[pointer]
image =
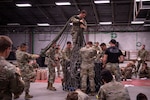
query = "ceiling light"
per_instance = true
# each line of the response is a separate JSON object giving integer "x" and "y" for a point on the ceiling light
{"x": 141, "y": 0}
{"x": 106, "y": 1}
{"x": 13, "y": 24}
{"x": 105, "y": 23}
{"x": 71, "y": 24}
{"x": 23, "y": 5}
{"x": 62, "y": 3}
{"x": 137, "y": 22}
{"x": 43, "y": 24}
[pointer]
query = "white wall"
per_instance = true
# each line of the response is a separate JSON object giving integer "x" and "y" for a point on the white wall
{"x": 127, "y": 40}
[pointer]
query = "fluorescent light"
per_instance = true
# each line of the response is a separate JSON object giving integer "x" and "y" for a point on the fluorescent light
{"x": 62, "y": 3}
{"x": 23, "y": 5}
{"x": 105, "y": 23}
{"x": 97, "y": 2}
{"x": 141, "y": 0}
{"x": 137, "y": 22}
{"x": 43, "y": 24}
{"x": 71, "y": 24}
{"x": 13, "y": 24}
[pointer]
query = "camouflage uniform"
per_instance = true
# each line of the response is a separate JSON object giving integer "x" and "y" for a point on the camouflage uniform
{"x": 82, "y": 95}
{"x": 66, "y": 54}
{"x": 144, "y": 72}
{"x": 76, "y": 29}
{"x": 128, "y": 71}
{"x": 142, "y": 54}
{"x": 27, "y": 71}
{"x": 113, "y": 91}
{"x": 87, "y": 67}
{"x": 58, "y": 57}
{"x": 51, "y": 62}
{"x": 10, "y": 80}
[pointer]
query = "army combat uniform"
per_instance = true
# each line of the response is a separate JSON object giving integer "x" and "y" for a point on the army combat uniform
{"x": 77, "y": 30}
{"x": 10, "y": 80}
{"x": 142, "y": 54}
{"x": 113, "y": 91}
{"x": 51, "y": 64}
{"x": 87, "y": 67}
{"x": 27, "y": 71}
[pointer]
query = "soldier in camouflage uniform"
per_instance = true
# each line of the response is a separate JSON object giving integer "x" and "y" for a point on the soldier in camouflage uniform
{"x": 10, "y": 80}
{"x": 27, "y": 71}
{"x": 128, "y": 71}
{"x": 142, "y": 54}
{"x": 66, "y": 54}
{"x": 144, "y": 71}
{"x": 111, "y": 90}
{"x": 88, "y": 54}
{"x": 58, "y": 57}
{"x": 79, "y": 24}
{"x": 50, "y": 54}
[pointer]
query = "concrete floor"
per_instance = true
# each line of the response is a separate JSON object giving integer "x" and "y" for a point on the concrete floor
{"x": 39, "y": 91}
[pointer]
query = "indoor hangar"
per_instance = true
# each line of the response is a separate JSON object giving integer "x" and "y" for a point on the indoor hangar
{"x": 46, "y": 27}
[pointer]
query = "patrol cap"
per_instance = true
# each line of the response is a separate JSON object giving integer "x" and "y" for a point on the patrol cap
{"x": 113, "y": 41}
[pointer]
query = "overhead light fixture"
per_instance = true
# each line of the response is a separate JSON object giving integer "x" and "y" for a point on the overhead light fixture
{"x": 13, "y": 24}
{"x": 137, "y": 22}
{"x": 62, "y": 3}
{"x": 43, "y": 24}
{"x": 141, "y": 0}
{"x": 99, "y": 2}
{"x": 24, "y": 5}
{"x": 71, "y": 24}
{"x": 105, "y": 23}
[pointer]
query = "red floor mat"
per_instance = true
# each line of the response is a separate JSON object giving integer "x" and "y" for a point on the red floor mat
{"x": 138, "y": 82}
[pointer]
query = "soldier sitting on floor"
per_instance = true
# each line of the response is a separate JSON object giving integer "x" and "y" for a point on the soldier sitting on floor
{"x": 144, "y": 71}
{"x": 128, "y": 71}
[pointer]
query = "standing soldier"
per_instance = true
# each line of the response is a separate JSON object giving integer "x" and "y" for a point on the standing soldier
{"x": 66, "y": 54}
{"x": 58, "y": 57}
{"x": 10, "y": 80}
{"x": 79, "y": 25}
{"x": 27, "y": 71}
{"x": 112, "y": 57}
{"x": 88, "y": 54}
{"x": 142, "y": 54}
{"x": 50, "y": 54}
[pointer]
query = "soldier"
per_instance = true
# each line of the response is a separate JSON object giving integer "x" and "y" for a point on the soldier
{"x": 51, "y": 66}
{"x": 66, "y": 54}
{"x": 88, "y": 54}
{"x": 141, "y": 57}
{"x": 27, "y": 71}
{"x": 128, "y": 70}
{"x": 97, "y": 48}
{"x": 111, "y": 90}
{"x": 79, "y": 25}
{"x": 112, "y": 57}
{"x": 10, "y": 80}
{"x": 58, "y": 57}
{"x": 144, "y": 71}
{"x": 103, "y": 47}
{"x": 77, "y": 95}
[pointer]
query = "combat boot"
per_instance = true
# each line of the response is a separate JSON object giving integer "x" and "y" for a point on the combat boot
{"x": 51, "y": 87}
{"x": 27, "y": 96}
